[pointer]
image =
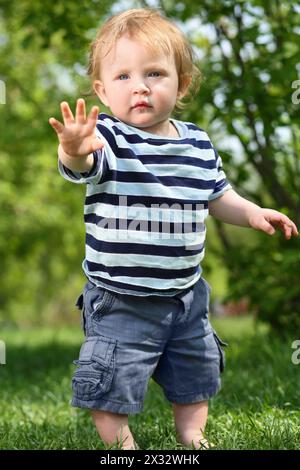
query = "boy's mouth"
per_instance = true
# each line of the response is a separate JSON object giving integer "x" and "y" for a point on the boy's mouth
{"x": 142, "y": 104}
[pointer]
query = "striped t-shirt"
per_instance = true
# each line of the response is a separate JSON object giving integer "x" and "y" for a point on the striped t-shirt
{"x": 146, "y": 203}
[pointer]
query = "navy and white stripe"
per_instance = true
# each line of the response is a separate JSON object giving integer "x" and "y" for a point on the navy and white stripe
{"x": 146, "y": 202}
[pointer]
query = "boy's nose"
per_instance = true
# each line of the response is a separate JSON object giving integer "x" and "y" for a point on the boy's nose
{"x": 141, "y": 88}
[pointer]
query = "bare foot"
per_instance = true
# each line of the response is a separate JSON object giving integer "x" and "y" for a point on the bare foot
{"x": 197, "y": 441}
{"x": 133, "y": 446}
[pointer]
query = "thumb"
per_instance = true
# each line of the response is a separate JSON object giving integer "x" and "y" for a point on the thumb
{"x": 265, "y": 226}
{"x": 97, "y": 144}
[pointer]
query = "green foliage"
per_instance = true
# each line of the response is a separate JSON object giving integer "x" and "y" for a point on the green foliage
{"x": 248, "y": 53}
{"x": 43, "y": 52}
{"x": 269, "y": 281}
{"x": 249, "y": 56}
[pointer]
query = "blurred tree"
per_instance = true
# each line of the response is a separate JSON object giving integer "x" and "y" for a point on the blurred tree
{"x": 249, "y": 56}
{"x": 43, "y": 54}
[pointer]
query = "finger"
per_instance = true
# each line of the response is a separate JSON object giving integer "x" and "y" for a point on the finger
{"x": 66, "y": 112}
{"x": 97, "y": 144}
{"x": 288, "y": 227}
{"x": 92, "y": 117}
{"x": 287, "y": 230}
{"x": 294, "y": 229}
{"x": 266, "y": 227}
{"x": 94, "y": 113}
{"x": 57, "y": 125}
{"x": 80, "y": 111}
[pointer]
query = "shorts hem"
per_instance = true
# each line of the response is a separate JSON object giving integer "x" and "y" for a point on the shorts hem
{"x": 194, "y": 397}
{"x": 106, "y": 405}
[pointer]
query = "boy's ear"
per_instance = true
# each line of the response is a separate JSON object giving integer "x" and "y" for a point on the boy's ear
{"x": 100, "y": 92}
{"x": 184, "y": 83}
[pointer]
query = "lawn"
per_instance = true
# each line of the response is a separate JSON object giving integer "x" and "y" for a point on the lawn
{"x": 257, "y": 408}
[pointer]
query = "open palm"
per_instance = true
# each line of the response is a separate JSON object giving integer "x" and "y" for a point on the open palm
{"x": 77, "y": 135}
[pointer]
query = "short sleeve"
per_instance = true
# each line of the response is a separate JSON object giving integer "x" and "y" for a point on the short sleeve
{"x": 91, "y": 177}
{"x": 221, "y": 185}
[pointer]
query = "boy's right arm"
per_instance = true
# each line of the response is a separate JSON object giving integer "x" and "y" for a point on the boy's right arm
{"x": 81, "y": 165}
{"x": 77, "y": 137}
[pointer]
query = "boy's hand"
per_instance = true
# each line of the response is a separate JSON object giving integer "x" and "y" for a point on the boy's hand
{"x": 77, "y": 135}
{"x": 268, "y": 220}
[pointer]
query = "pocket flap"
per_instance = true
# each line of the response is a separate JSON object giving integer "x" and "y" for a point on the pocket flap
{"x": 97, "y": 348}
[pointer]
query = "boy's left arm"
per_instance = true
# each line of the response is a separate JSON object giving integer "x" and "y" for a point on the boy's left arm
{"x": 234, "y": 209}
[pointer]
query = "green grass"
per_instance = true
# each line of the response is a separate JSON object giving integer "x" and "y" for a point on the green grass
{"x": 257, "y": 408}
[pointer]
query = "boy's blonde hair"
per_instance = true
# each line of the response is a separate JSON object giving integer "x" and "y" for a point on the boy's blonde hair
{"x": 157, "y": 33}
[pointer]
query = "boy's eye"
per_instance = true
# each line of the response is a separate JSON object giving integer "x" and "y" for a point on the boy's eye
{"x": 154, "y": 74}
{"x": 123, "y": 76}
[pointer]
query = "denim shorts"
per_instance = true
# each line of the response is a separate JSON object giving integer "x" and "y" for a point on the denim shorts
{"x": 130, "y": 339}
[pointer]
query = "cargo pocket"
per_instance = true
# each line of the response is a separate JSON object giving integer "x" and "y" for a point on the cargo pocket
{"x": 96, "y": 366}
{"x": 220, "y": 344}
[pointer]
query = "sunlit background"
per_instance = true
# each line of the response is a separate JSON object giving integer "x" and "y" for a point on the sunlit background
{"x": 249, "y": 103}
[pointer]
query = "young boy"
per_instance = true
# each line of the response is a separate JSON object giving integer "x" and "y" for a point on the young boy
{"x": 151, "y": 182}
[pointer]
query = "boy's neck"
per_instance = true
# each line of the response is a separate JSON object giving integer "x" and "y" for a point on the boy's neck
{"x": 173, "y": 130}
{"x": 167, "y": 130}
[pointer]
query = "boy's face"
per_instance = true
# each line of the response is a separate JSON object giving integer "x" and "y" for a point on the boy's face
{"x": 139, "y": 86}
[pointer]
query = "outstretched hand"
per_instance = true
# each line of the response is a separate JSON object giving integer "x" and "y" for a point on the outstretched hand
{"x": 77, "y": 135}
{"x": 269, "y": 220}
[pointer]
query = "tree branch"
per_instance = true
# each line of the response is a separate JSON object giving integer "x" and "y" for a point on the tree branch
{"x": 264, "y": 165}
